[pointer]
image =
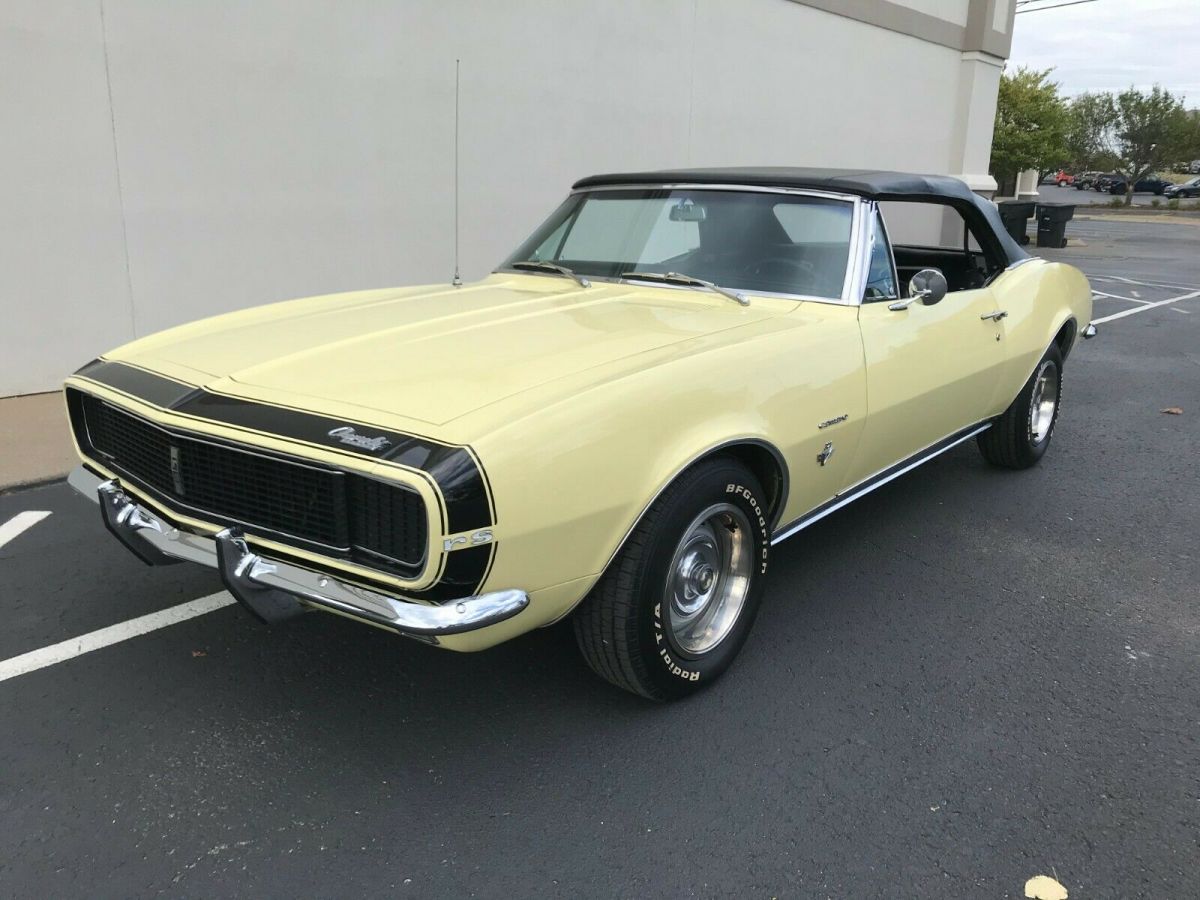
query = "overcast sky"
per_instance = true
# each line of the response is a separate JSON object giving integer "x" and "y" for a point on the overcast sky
{"x": 1110, "y": 44}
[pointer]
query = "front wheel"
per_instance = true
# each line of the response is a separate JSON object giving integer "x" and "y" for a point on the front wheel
{"x": 677, "y": 602}
{"x": 1020, "y": 436}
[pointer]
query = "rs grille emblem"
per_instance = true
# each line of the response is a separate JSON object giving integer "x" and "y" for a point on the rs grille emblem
{"x": 176, "y": 473}
{"x": 348, "y": 435}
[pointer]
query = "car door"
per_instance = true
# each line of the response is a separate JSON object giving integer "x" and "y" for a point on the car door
{"x": 932, "y": 371}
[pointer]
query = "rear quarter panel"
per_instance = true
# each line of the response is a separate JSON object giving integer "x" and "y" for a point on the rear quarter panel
{"x": 1040, "y": 297}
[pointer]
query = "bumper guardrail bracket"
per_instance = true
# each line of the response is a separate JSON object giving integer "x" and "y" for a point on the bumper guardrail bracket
{"x": 273, "y": 590}
{"x": 127, "y": 523}
{"x": 238, "y": 567}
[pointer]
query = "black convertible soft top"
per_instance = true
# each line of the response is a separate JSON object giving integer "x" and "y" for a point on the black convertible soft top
{"x": 871, "y": 184}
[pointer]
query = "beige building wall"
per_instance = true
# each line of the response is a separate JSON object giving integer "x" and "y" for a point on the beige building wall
{"x": 166, "y": 161}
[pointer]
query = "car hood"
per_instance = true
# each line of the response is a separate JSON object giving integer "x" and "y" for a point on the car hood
{"x": 437, "y": 353}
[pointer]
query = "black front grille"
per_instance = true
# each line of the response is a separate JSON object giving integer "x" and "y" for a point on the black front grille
{"x": 360, "y": 518}
{"x": 139, "y": 448}
{"x": 385, "y": 521}
{"x": 272, "y": 493}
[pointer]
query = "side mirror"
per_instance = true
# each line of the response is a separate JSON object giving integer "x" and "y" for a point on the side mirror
{"x": 929, "y": 286}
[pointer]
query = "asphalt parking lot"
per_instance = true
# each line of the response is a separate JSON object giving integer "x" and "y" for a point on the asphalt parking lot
{"x": 965, "y": 679}
{"x": 1052, "y": 193}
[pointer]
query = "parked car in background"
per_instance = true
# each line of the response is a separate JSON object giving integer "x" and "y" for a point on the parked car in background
{"x": 1063, "y": 179}
{"x": 1104, "y": 181}
{"x": 1085, "y": 180}
{"x": 588, "y": 431}
{"x": 1190, "y": 188}
{"x": 1151, "y": 184}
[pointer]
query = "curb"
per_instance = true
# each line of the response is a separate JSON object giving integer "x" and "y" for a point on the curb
{"x": 20, "y": 486}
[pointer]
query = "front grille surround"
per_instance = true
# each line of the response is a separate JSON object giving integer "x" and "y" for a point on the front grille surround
{"x": 381, "y": 525}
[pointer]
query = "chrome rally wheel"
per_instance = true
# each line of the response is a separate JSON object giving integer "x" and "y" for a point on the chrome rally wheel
{"x": 1020, "y": 436}
{"x": 675, "y": 605}
{"x": 709, "y": 579}
{"x": 1043, "y": 404}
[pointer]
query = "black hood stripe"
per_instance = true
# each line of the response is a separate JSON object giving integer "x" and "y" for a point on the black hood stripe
{"x": 157, "y": 390}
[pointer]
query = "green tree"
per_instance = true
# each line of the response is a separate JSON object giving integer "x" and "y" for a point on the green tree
{"x": 1031, "y": 125}
{"x": 1149, "y": 131}
{"x": 1189, "y": 143}
{"x": 1090, "y": 119}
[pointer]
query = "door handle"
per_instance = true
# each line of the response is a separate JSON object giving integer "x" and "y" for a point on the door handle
{"x": 994, "y": 316}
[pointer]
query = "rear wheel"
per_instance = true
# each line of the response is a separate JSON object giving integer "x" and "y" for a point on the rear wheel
{"x": 1020, "y": 436}
{"x": 676, "y": 604}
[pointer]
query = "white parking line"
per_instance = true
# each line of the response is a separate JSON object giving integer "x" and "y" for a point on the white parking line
{"x": 1137, "y": 309}
{"x": 19, "y": 523}
{"x": 1097, "y": 293}
{"x": 114, "y": 634}
{"x": 1124, "y": 280}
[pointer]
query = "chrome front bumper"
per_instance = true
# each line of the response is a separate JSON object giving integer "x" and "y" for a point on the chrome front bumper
{"x": 273, "y": 590}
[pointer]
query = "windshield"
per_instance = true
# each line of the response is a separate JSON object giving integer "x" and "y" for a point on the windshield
{"x": 752, "y": 241}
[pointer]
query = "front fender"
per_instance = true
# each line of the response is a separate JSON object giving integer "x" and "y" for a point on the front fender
{"x": 572, "y": 479}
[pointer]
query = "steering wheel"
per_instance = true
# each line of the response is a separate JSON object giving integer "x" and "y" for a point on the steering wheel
{"x": 782, "y": 269}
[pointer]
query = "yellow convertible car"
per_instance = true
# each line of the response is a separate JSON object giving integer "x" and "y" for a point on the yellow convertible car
{"x": 677, "y": 371}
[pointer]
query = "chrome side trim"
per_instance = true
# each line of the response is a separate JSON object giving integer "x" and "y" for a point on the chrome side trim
{"x": 880, "y": 478}
{"x": 272, "y": 589}
{"x": 859, "y": 260}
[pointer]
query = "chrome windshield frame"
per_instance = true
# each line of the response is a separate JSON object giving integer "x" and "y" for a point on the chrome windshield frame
{"x": 857, "y": 258}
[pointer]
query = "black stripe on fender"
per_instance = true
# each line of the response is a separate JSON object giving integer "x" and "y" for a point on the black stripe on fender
{"x": 455, "y": 470}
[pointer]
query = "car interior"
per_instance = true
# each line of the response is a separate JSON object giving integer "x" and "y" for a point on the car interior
{"x": 792, "y": 245}
{"x": 788, "y": 247}
{"x": 969, "y": 266}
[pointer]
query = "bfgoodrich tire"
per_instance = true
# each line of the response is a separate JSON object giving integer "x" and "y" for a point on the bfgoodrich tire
{"x": 677, "y": 602}
{"x": 1021, "y": 435}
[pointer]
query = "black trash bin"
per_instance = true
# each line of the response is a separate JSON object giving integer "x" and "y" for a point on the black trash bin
{"x": 1014, "y": 214}
{"x": 1052, "y": 223}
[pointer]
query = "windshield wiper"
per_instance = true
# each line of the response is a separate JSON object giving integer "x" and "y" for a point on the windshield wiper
{"x": 688, "y": 281}
{"x": 537, "y": 265}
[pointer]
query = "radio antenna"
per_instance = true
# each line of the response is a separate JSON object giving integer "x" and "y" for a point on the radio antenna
{"x": 456, "y": 281}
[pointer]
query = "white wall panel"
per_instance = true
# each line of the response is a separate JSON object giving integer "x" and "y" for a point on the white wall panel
{"x": 291, "y": 147}
{"x": 63, "y": 292}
